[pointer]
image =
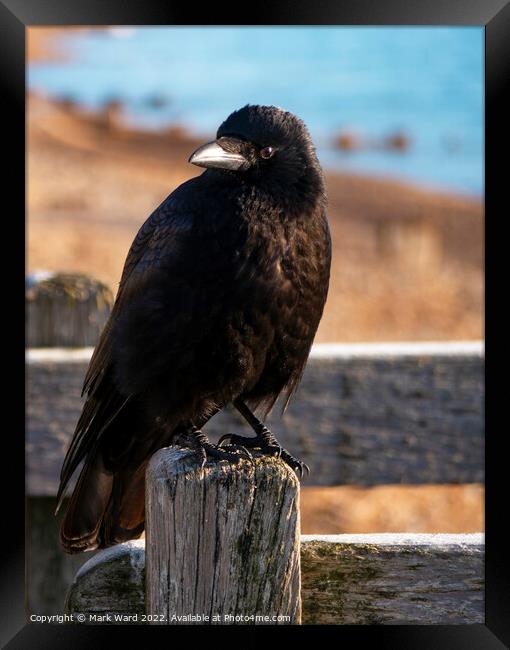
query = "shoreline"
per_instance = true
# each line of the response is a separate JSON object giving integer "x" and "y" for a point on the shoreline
{"x": 350, "y": 146}
{"x": 407, "y": 261}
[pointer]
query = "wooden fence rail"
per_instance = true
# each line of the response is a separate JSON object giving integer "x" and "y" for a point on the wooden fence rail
{"x": 364, "y": 414}
{"x": 346, "y": 579}
{"x": 223, "y": 546}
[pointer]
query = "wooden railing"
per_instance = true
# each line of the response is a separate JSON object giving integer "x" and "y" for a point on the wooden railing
{"x": 365, "y": 414}
{"x": 346, "y": 579}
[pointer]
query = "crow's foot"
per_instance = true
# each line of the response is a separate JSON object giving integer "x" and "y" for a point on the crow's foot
{"x": 198, "y": 441}
{"x": 268, "y": 445}
{"x": 264, "y": 439}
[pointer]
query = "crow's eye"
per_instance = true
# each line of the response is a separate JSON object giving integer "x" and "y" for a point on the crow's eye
{"x": 266, "y": 152}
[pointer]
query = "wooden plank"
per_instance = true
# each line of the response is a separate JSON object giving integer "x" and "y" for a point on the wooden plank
{"x": 50, "y": 571}
{"x": 393, "y": 579}
{"x": 364, "y": 414}
{"x": 346, "y": 579}
{"x": 222, "y": 541}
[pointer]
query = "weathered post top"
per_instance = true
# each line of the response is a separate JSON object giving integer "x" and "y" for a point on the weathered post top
{"x": 65, "y": 309}
{"x": 222, "y": 541}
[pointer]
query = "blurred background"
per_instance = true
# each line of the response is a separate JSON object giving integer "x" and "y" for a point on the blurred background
{"x": 397, "y": 117}
{"x": 396, "y": 114}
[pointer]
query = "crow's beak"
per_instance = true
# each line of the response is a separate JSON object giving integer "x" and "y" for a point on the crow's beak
{"x": 212, "y": 155}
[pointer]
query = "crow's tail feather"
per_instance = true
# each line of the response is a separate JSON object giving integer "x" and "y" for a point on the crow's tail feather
{"x": 105, "y": 508}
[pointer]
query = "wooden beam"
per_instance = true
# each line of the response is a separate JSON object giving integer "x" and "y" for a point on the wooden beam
{"x": 365, "y": 414}
{"x": 393, "y": 579}
{"x": 346, "y": 579}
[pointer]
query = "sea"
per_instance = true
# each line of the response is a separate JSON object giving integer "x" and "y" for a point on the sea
{"x": 422, "y": 85}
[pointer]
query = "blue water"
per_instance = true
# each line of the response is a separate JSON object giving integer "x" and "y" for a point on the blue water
{"x": 425, "y": 82}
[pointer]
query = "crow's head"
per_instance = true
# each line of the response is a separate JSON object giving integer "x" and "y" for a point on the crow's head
{"x": 268, "y": 147}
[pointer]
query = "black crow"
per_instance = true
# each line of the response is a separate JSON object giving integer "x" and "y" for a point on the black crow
{"x": 221, "y": 295}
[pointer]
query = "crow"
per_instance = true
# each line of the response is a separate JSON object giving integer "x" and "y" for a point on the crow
{"x": 220, "y": 298}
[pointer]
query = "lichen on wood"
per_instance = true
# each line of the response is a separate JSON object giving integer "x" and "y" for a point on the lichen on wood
{"x": 222, "y": 540}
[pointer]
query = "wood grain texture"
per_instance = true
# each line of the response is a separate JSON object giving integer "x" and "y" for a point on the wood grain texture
{"x": 393, "y": 579}
{"x": 346, "y": 579}
{"x": 386, "y": 416}
{"x": 222, "y": 541}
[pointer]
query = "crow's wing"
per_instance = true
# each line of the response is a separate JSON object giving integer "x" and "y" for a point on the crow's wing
{"x": 162, "y": 237}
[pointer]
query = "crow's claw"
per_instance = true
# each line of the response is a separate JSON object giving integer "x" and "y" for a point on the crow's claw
{"x": 246, "y": 454}
{"x": 294, "y": 463}
{"x": 208, "y": 450}
{"x": 273, "y": 450}
{"x": 227, "y": 436}
{"x": 268, "y": 445}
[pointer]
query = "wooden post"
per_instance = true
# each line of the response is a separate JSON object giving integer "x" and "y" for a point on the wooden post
{"x": 222, "y": 542}
{"x": 65, "y": 309}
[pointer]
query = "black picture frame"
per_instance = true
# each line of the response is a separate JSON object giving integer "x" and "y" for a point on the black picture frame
{"x": 15, "y": 16}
